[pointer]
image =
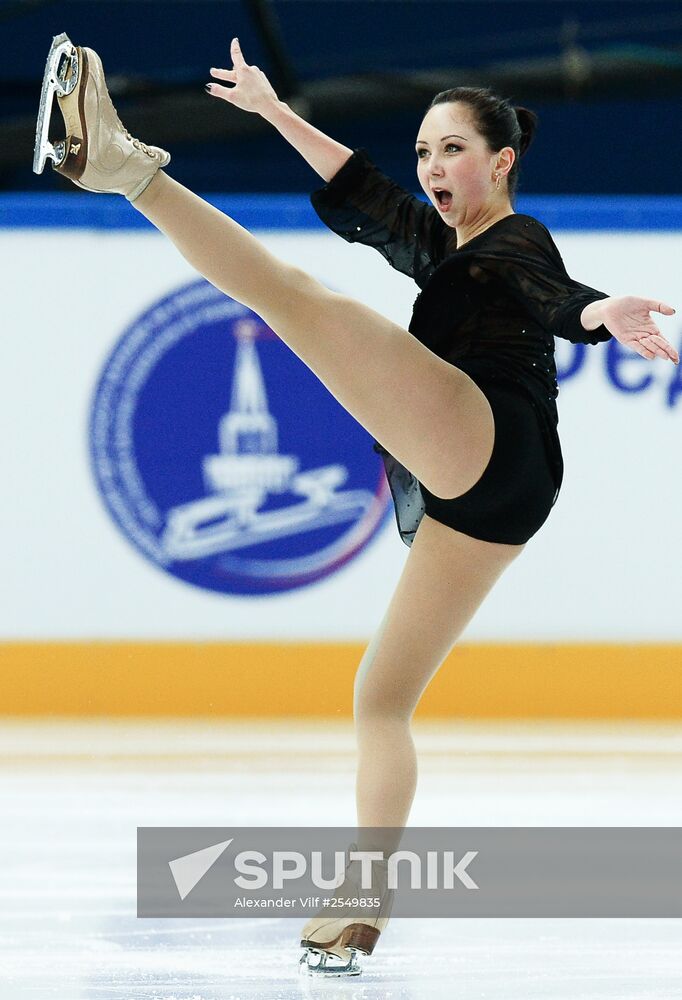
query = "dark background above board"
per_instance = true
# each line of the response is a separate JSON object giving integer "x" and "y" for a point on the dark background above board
{"x": 604, "y": 77}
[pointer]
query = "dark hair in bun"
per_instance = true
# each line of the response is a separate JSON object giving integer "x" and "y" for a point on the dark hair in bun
{"x": 528, "y": 122}
{"x": 498, "y": 121}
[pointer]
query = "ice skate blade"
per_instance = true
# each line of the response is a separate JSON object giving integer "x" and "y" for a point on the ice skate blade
{"x": 61, "y": 76}
{"x": 328, "y": 964}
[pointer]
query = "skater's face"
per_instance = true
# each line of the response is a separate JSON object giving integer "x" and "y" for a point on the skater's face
{"x": 452, "y": 155}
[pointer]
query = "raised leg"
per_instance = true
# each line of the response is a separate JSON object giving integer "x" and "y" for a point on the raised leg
{"x": 430, "y": 415}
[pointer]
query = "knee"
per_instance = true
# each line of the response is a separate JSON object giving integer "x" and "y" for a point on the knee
{"x": 372, "y": 708}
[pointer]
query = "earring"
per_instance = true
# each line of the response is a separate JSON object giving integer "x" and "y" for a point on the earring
{"x": 497, "y": 186}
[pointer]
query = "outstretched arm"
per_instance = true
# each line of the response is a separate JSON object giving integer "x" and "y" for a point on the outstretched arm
{"x": 627, "y": 319}
{"x": 252, "y": 91}
{"x": 528, "y": 262}
{"x": 358, "y": 202}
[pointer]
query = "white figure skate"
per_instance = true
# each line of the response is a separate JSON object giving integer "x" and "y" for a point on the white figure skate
{"x": 98, "y": 153}
{"x": 333, "y": 940}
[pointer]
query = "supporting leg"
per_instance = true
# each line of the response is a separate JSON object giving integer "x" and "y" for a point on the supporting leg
{"x": 446, "y": 577}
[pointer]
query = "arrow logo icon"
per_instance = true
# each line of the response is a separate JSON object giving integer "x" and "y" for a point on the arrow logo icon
{"x": 191, "y": 868}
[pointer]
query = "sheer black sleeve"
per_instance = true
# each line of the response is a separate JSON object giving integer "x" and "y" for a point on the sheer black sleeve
{"x": 363, "y": 205}
{"x": 528, "y": 264}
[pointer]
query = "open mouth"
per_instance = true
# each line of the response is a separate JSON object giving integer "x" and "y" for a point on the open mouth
{"x": 444, "y": 199}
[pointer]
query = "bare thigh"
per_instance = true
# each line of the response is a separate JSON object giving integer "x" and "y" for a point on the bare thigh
{"x": 427, "y": 413}
{"x": 446, "y": 576}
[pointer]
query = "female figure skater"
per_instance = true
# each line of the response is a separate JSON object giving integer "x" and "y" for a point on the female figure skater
{"x": 461, "y": 404}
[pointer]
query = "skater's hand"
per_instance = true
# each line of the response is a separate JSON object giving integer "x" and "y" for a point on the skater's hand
{"x": 628, "y": 320}
{"x": 251, "y": 91}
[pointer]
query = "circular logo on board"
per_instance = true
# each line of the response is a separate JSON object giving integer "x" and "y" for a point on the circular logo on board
{"x": 223, "y": 458}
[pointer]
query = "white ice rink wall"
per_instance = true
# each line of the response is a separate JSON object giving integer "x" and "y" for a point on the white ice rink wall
{"x": 135, "y": 396}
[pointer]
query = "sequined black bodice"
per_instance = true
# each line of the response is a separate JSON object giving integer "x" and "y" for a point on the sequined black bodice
{"x": 492, "y": 306}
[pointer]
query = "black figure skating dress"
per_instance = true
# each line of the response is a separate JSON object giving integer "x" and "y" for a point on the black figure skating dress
{"x": 492, "y": 308}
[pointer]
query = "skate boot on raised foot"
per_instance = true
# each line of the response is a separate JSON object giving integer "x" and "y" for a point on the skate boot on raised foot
{"x": 98, "y": 153}
{"x": 334, "y": 938}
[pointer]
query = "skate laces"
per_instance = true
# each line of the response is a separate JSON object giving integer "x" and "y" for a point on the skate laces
{"x": 137, "y": 143}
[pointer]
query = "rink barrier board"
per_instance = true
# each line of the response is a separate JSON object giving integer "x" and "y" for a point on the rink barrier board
{"x": 213, "y": 679}
{"x": 488, "y": 680}
{"x": 272, "y": 212}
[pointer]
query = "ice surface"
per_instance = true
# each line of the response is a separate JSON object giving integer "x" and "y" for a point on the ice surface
{"x": 73, "y": 795}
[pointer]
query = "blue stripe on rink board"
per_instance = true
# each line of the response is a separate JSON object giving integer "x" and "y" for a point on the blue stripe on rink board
{"x": 294, "y": 211}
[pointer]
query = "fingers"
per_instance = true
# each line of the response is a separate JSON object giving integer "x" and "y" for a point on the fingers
{"x": 236, "y": 53}
{"x": 215, "y": 90}
{"x": 224, "y": 74}
{"x": 664, "y": 349}
{"x": 230, "y": 75}
{"x": 660, "y": 347}
{"x": 660, "y": 307}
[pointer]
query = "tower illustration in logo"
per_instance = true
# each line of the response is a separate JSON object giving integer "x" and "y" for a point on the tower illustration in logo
{"x": 222, "y": 498}
{"x": 248, "y": 470}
